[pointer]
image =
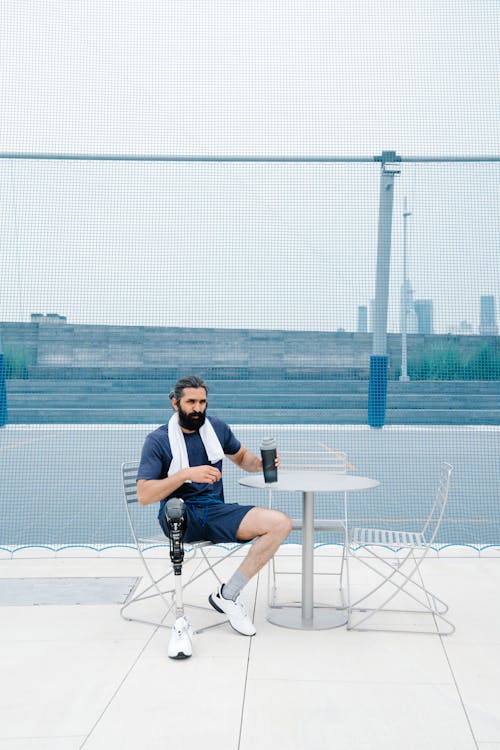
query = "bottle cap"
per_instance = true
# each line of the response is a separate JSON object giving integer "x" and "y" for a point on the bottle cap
{"x": 268, "y": 444}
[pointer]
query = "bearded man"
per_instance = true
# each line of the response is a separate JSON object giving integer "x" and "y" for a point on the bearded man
{"x": 184, "y": 459}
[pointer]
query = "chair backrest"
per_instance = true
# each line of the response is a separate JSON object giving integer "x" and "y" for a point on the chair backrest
{"x": 309, "y": 460}
{"x": 314, "y": 460}
{"x": 129, "y": 478}
{"x": 431, "y": 526}
{"x": 143, "y": 521}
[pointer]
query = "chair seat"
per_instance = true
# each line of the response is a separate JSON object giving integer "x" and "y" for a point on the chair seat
{"x": 319, "y": 525}
{"x": 388, "y": 538}
{"x": 162, "y": 539}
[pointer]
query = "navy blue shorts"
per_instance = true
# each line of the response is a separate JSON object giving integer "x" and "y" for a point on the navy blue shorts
{"x": 215, "y": 522}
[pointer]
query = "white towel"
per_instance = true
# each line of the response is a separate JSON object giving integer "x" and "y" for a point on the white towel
{"x": 178, "y": 444}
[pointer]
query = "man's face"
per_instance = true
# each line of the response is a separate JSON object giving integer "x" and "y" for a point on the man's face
{"x": 191, "y": 408}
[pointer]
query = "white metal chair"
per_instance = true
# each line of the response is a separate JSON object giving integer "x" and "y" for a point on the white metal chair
{"x": 402, "y": 574}
{"x": 327, "y": 460}
{"x": 140, "y": 519}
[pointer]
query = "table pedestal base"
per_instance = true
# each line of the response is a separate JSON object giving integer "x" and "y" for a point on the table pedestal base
{"x": 322, "y": 619}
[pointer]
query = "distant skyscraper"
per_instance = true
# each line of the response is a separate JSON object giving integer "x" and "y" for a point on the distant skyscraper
{"x": 488, "y": 325}
{"x": 424, "y": 313}
{"x": 411, "y": 316}
{"x": 372, "y": 315}
{"x": 50, "y": 318}
{"x": 362, "y": 319}
{"x": 465, "y": 327}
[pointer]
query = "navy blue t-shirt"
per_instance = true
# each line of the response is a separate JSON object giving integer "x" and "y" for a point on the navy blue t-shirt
{"x": 156, "y": 458}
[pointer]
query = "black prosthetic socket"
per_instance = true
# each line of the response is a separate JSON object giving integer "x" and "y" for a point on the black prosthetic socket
{"x": 176, "y": 520}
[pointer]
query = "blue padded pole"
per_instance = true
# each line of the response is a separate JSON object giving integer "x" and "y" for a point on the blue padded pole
{"x": 377, "y": 389}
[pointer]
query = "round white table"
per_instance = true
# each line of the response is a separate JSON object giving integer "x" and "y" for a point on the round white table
{"x": 309, "y": 617}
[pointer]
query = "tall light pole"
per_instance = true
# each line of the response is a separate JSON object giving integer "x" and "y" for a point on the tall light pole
{"x": 404, "y": 318}
{"x": 377, "y": 386}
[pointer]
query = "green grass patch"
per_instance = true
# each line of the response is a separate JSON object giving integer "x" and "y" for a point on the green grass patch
{"x": 17, "y": 361}
{"x": 449, "y": 362}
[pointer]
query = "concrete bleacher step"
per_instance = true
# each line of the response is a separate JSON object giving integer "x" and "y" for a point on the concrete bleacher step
{"x": 118, "y": 384}
{"x": 22, "y": 415}
{"x": 315, "y": 401}
{"x": 221, "y": 372}
{"x": 246, "y": 401}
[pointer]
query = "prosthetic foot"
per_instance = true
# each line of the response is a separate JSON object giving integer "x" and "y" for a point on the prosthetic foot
{"x": 180, "y": 646}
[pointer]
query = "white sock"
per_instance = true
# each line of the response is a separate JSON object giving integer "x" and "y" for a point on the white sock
{"x": 232, "y": 588}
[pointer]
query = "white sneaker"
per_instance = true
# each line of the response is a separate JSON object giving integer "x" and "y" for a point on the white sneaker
{"x": 179, "y": 646}
{"x": 235, "y": 610}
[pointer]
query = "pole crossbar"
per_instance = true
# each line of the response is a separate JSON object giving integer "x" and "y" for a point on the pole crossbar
{"x": 245, "y": 159}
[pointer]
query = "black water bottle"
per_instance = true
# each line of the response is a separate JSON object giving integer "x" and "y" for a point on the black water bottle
{"x": 268, "y": 453}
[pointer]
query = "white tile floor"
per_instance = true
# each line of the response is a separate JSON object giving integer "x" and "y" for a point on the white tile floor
{"x": 81, "y": 677}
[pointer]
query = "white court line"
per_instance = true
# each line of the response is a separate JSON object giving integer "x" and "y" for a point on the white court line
{"x": 16, "y": 443}
{"x": 253, "y": 427}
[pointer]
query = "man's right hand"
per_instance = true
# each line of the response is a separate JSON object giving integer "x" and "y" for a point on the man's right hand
{"x": 203, "y": 474}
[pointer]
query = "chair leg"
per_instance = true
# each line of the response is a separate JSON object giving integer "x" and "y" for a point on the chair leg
{"x": 271, "y": 583}
{"x": 168, "y": 596}
{"x": 369, "y": 613}
{"x": 395, "y": 571}
{"x": 345, "y": 565}
{"x": 345, "y": 560}
{"x": 143, "y": 595}
{"x": 427, "y": 606}
{"x": 273, "y": 573}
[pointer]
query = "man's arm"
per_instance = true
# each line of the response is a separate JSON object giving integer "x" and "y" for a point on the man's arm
{"x": 152, "y": 490}
{"x": 247, "y": 461}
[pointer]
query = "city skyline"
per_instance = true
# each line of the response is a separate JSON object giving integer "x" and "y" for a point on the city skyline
{"x": 487, "y": 325}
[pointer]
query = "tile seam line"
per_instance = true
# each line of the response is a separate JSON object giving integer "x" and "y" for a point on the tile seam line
{"x": 462, "y": 702}
{"x": 118, "y": 688}
{"x": 326, "y": 681}
{"x": 254, "y": 609}
{"x": 42, "y": 737}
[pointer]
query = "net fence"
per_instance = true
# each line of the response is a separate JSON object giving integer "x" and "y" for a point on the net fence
{"x": 119, "y": 277}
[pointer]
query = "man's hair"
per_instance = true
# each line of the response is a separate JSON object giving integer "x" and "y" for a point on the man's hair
{"x": 190, "y": 381}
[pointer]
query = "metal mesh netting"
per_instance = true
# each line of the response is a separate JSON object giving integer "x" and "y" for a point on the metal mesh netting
{"x": 120, "y": 277}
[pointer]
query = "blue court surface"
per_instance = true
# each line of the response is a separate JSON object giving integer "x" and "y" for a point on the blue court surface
{"x": 60, "y": 484}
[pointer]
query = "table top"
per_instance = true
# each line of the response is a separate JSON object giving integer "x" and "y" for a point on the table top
{"x": 310, "y": 481}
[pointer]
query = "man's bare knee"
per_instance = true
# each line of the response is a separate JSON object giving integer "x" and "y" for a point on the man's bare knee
{"x": 282, "y": 526}
{"x": 260, "y": 522}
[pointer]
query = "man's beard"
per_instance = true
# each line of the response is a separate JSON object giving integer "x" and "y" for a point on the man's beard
{"x": 192, "y": 421}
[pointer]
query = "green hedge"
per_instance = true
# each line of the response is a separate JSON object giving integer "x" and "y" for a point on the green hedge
{"x": 17, "y": 361}
{"x": 449, "y": 363}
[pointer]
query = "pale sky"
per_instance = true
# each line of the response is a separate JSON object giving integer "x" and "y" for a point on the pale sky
{"x": 245, "y": 245}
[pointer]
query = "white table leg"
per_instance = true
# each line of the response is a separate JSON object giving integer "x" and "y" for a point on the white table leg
{"x": 307, "y": 558}
{"x": 307, "y": 617}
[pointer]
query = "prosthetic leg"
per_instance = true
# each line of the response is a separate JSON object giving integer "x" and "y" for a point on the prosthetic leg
{"x": 179, "y": 646}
